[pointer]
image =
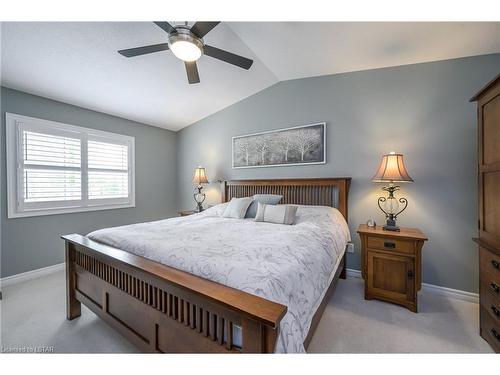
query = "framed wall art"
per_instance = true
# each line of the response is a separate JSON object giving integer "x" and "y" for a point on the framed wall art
{"x": 299, "y": 145}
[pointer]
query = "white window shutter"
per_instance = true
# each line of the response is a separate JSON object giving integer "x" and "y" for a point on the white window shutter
{"x": 108, "y": 170}
{"x": 52, "y": 167}
{"x": 59, "y": 168}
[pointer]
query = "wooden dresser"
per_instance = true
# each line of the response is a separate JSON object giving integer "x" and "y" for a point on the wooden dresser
{"x": 391, "y": 264}
{"x": 488, "y": 114}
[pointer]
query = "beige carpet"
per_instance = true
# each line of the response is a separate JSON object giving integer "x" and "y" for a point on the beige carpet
{"x": 33, "y": 316}
{"x": 352, "y": 325}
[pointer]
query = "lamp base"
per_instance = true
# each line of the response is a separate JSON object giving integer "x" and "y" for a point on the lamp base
{"x": 391, "y": 226}
{"x": 392, "y": 206}
{"x": 199, "y": 198}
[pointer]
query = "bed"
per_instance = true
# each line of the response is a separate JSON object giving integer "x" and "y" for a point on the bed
{"x": 183, "y": 285}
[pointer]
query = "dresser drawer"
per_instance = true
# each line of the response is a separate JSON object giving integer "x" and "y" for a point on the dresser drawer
{"x": 391, "y": 244}
{"x": 491, "y": 303}
{"x": 490, "y": 330}
{"x": 489, "y": 262}
{"x": 490, "y": 285}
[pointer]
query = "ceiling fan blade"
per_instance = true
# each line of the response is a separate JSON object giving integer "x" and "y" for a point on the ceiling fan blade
{"x": 131, "y": 52}
{"x": 165, "y": 26}
{"x": 192, "y": 72}
{"x": 200, "y": 29}
{"x": 228, "y": 57}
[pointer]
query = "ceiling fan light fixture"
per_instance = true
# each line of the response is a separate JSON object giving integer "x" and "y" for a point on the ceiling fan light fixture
{"x": 185, "y": 45}
{"x": 185, "y": 50}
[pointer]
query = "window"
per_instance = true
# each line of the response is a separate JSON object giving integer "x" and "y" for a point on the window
{"x": 57, "y": 168}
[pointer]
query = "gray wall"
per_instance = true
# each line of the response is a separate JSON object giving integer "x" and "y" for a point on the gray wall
{"x": 420, "y": 110}
{"x": 31, "y": 243}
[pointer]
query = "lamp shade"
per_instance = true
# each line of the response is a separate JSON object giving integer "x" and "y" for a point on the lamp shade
{"x": 199, "y": 176}
{"x": 392, "y": 169}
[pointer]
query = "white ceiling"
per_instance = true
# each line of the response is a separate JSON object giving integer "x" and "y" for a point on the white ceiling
{"x": 303, "y": 49}
{"x": 77, "y": 63}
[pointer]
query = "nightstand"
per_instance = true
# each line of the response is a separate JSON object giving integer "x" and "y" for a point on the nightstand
{"x": 186, "y": 212}
{"x": 391, "y": 264}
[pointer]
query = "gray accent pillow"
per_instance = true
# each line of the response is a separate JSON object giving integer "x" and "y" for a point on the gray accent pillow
{"x": 237, "y": 207}
{"x": 278, "y": 214}
{"x": 262, "y": 198}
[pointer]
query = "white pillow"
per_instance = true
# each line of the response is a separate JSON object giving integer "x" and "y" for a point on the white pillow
{"x": 237, "y": 207}
{"x": 280, "y": 214}
{"x": 262, "y": 198}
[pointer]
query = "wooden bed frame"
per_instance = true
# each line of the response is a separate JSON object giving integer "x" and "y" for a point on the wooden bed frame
{"x": 163, "y": 309}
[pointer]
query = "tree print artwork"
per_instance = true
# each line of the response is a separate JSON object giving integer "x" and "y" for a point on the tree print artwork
{"x": 244, "y": 149}
{"x": 291, "y": 146}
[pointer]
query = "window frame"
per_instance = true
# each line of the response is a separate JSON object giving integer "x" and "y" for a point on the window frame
{"x": 17, "y": 207}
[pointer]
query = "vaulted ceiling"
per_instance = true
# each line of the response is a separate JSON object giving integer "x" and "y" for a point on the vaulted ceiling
{"x": 77, "y": 63}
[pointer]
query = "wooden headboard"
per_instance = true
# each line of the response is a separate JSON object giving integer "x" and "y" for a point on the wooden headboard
{"x": 331, "y": 192}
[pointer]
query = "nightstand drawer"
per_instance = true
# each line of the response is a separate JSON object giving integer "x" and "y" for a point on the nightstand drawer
{"x": 391, "y": 244}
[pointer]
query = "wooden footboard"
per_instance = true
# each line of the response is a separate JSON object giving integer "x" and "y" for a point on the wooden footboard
{"x": 162, "y": 309}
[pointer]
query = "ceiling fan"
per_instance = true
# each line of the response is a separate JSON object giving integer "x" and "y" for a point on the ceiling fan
{"x": 187, "y": 45}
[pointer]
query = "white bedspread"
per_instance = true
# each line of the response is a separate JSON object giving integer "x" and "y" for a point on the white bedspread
{"x": 289, "y": 264}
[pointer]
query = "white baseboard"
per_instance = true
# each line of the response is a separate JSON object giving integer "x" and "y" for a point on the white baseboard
{"x": 435, "y": 289}
{"x": 20, "y": 277}
{"x": 451, "y": 293}
{"x": 353, "y": 273}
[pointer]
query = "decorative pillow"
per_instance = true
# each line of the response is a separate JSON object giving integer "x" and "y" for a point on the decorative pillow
{"x": 279, "y": 214}
{"x": 262, "y": 198}
{"x": 237, "y": 207}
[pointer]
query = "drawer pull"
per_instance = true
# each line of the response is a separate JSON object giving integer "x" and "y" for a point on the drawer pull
{"x": 390, "y": 245}
{"x": 495, "y": 310}
{"x": 410, "y": 274}
{"x": 495, "y": 333}
{"x": 495, "y": 287}
{"x": 495, "y": 264}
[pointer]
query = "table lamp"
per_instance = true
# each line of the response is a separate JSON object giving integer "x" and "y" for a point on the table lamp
{"x": 391, "y": 170}
{"x": 199, "y": 178}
